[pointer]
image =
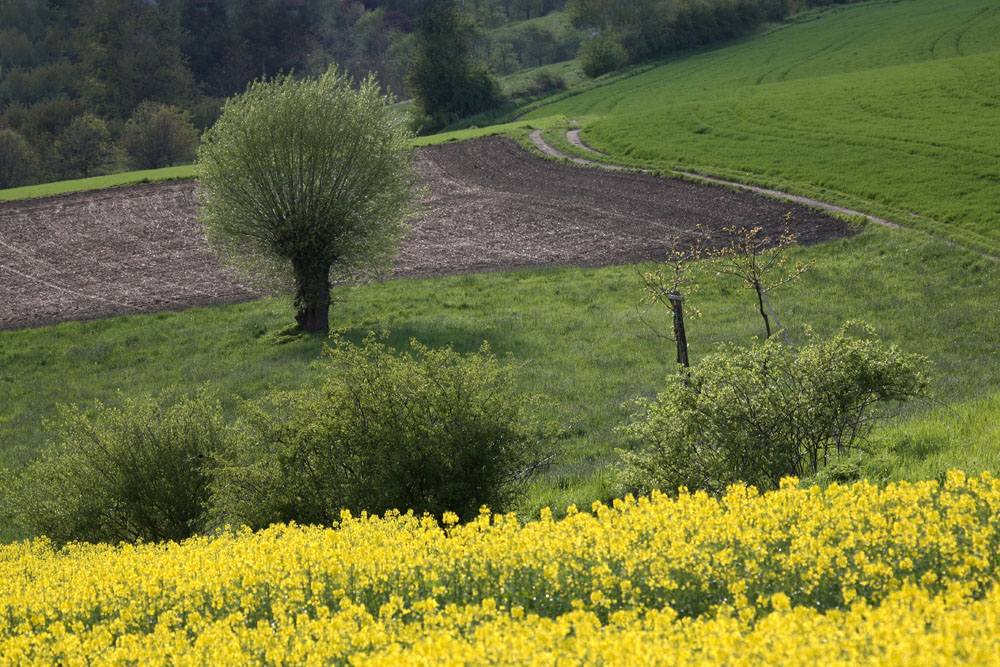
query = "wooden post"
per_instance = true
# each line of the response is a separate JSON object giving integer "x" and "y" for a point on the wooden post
{"x": 676, "y": 301}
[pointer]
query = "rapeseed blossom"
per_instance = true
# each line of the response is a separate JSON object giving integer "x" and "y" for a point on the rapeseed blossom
{"x": 903, "y": 573}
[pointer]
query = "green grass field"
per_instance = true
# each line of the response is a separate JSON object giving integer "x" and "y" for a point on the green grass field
{"x": 922, "y": 294}
{"x": 890, "y": 107}
{"x": 557, "y": 23}
{"x": 98, "y": 182}
{"x": 188, "y": 171}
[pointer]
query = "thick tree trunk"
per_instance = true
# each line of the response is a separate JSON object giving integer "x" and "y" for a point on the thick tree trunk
{"x": 312, "y": 297}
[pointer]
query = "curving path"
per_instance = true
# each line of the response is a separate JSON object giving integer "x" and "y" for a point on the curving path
{"x": 573, "y": 136}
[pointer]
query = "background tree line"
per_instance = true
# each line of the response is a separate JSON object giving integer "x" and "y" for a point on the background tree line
{"x": 93, "y": 86}
{"x": 73, "y": 75}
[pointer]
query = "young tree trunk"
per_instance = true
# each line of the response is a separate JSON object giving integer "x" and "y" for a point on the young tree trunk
{"x": 760, "y": 305}
{"x": 312, "y": 297}
{"x": 676, "y": 302}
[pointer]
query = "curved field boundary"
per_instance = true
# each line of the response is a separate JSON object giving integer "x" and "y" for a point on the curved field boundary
{"x": 491, "y": 205}
{"x": 573, "y": 136}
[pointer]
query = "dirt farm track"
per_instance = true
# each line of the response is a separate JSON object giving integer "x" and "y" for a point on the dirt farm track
{"x": 492, "y": 205}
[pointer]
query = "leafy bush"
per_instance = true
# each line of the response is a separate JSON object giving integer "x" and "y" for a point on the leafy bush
{"x": 132, "y": 472}
{"x": 757, "y": 415}
{"x": 544, "y": 81}
{"x": 601, "y": 55}
{"x": 18, "y": 161}
{"x": 433, "y": 432}
{"x": 84, "y": 147}
{"x": 158, "y": 135}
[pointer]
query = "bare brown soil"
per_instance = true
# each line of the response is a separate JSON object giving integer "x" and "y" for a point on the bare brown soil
{"x": 491, "y": 205}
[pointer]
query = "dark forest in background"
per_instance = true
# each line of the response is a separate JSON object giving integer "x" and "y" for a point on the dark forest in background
{"x": 93, "y": 86}
{"x": 73, "y": 74}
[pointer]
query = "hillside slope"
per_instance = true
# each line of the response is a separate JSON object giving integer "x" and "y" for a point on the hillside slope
{"x": 890, "y": 107}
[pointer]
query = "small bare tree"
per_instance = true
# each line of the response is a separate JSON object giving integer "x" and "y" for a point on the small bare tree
{"x": 760, "y": 264}
{"x": 666, "y": 286}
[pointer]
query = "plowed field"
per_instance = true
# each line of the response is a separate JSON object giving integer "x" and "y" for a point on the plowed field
{"x": 491, "y": 205}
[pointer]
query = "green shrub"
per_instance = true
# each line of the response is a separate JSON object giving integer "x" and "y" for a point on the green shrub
{"x": 125, "y": 473}
{"x": 544, "y": 81}
{"x": 433, "y": 432}
{"x": 83, "y": 148}
{"x": 601, "y": 55}
{"x": 759, "y": 414}
{"x": 158, "y": 135}
{"x": 18, "y": 160}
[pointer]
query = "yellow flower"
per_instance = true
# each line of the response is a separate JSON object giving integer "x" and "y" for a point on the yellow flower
{"x": 780, "y": 602}
{"x": 907, "y": 570}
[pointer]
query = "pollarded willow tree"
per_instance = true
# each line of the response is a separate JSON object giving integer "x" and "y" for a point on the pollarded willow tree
{"x": 310, "y": 180}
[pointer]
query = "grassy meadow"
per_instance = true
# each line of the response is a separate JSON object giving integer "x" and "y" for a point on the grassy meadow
{"x": 855, "y": 104}
{"x": 887, "y": 107}
{"x": 923, "y": 295}
{"x": 98, "y": 182}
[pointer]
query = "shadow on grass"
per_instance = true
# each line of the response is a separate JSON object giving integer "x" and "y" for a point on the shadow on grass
{"x": 461, "y": 339}
{"x": 915, "y": 447}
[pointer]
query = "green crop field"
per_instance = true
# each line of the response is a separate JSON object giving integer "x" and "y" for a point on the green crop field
{"x": 888, "y": 107}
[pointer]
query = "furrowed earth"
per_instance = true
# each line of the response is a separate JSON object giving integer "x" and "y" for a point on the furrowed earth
{"x": 490, "y": 205}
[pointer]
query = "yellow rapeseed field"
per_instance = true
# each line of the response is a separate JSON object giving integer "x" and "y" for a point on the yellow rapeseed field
{"x": 901, "y": 574}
